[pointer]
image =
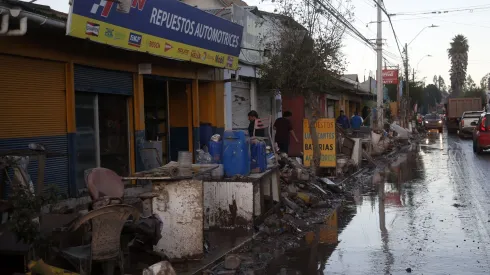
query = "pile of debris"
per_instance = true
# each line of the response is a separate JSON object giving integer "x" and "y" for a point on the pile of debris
{"x": 306, "y": 202}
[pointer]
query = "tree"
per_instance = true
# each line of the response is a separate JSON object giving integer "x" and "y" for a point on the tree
{"x": 441, "y": 84}
{"x": 477, "y": 92}
{"x": 436, "y": 80}
{"x": 432, "y": 96}
{"x": 306, "y": 57}
{"x": 458, "y": 55}
{"x": 417, "y": 93}
{"x": 392, "y": 91}
{"x": 469, "y": 84}
{"x": 485, "y": 82}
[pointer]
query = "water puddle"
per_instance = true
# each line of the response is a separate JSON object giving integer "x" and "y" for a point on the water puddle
{"x": 407, "y": 217}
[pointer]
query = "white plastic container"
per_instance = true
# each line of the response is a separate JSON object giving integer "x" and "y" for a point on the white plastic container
{"x": 185, "y": 159}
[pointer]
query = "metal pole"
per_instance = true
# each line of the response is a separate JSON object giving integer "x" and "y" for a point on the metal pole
{"x": 407, "y": 102}
{"x": 406, "y": 70}
{"x": 379, "y": 76}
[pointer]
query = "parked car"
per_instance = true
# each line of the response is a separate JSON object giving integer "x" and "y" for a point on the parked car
{"x": 433, "y": 121}
{"x": 465, "y": 126}
{"x": 481, "y": 133}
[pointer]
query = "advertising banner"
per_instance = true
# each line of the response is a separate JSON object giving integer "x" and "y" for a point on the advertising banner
{"x": 390, "y": 76}
{"x": 325, "y": 129}
{"x": 165, "y": 28}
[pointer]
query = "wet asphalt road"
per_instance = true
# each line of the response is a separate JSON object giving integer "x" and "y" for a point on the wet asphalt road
{"x": 428, "y": 211}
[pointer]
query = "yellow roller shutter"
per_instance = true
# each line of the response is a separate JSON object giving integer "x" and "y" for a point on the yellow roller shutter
{"x": 32, "y": 97}
{"x": 33, "y": 110}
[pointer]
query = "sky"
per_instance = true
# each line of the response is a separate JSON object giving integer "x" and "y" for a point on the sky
{"x": 474, "y": 24}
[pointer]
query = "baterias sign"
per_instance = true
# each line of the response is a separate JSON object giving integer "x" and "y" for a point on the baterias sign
{"x": 390, "y": 76}
{"x": 166, "y": 28}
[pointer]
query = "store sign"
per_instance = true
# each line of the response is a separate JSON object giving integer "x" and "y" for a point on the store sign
{"x": 165, "y": 28}
{"x": 325, "y": 130}
{"x": 390, "y": 76}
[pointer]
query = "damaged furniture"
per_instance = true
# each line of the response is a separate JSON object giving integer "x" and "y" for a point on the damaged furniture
{"x": 177, "y": 200}
{"x": 237, "y": 202}
{"x": 105, "y": 187}
{"x": 107, "y": 223}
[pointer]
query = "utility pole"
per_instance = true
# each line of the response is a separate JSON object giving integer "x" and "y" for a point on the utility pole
{"x": 379, "y": 72}
{"x": 406, "y": 70}
{"x": 406, "y": 110}
{"x": 413, "y": 75}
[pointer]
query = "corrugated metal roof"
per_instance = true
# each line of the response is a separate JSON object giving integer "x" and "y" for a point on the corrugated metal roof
{"x": 35, "y": 8}
{"x": 352, "y": 77}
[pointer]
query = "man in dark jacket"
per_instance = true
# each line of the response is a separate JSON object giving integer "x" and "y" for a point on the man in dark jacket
{"x": 252, "y": 116}
{"x": 284, "y": 129}
{"x": 343, "y": 120}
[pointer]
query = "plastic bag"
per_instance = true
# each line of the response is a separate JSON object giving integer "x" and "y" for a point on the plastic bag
{"x": 216, "y": 138}
{"x": 203, "y": 157}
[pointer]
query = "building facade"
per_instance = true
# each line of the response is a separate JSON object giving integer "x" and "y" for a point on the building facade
{"x": 96, "y": 105}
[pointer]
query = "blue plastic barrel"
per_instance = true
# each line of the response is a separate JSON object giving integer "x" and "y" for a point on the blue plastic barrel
{"x": 259, "y": 157}
{"x": 236, "y": 153}
{"x": 216, "y": 150}
{"x": 205, "y": 133}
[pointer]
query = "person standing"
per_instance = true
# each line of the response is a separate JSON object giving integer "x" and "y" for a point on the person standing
{"x": 343, "y": 120}
{"x": 252, "y": 116}
{"x": 284, "y": 128}
{"x": 356, "y": 121}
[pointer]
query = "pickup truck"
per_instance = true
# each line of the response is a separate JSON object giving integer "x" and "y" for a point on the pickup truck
{"x": 465, "y": 124}
{"x": 455, "y": 109}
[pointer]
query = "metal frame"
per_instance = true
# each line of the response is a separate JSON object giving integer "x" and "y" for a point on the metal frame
{"x": 97, "y": 131}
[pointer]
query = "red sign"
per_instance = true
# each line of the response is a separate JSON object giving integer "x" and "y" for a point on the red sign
{"x": 390, "y": 76}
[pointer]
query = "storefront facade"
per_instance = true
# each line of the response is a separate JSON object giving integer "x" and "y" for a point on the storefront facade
{"x": 81, "y": 99}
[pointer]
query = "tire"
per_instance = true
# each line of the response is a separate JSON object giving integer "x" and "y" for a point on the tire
{"x": 477, "y": 148}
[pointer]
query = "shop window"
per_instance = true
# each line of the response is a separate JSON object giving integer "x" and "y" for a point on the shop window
{"x": 102, "y": 138}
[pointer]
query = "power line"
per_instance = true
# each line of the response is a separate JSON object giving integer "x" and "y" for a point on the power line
{"x": 435, "y": 16}
{"x": 366, "y": 24}
{"x": 391, "y": 24}
{"x": 337, "y": 15}
{"x": 350, "y": 29}
{"x": 443, "y": 11}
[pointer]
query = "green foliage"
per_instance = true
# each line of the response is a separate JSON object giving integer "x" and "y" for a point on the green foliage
{"x": 441, "y": 84}
{"x": 417, "y": 93}
{"x": 458, "y": 55}
{"x": 469, "y": 84}
{"x": 432, "y": 96}
{"x": 476, "y": 92}
{"x": 392, "y": 91}
{"x": 307, "y": 56}
{"x": 26, "y": 208}
{"x": 484, "y": 82}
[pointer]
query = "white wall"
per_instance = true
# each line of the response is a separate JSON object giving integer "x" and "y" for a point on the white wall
{"x": 204, "y": 4}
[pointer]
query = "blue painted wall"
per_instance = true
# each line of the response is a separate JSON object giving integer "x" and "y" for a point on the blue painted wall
{"x": 56, "y": 169}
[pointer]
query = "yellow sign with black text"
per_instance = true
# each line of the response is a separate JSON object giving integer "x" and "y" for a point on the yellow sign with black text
{"x": 113, "y": 35}
{"x": 325, "y": 130}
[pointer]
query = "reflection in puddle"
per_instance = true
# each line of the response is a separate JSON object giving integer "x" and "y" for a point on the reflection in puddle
{"x": 408, "y": 220}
